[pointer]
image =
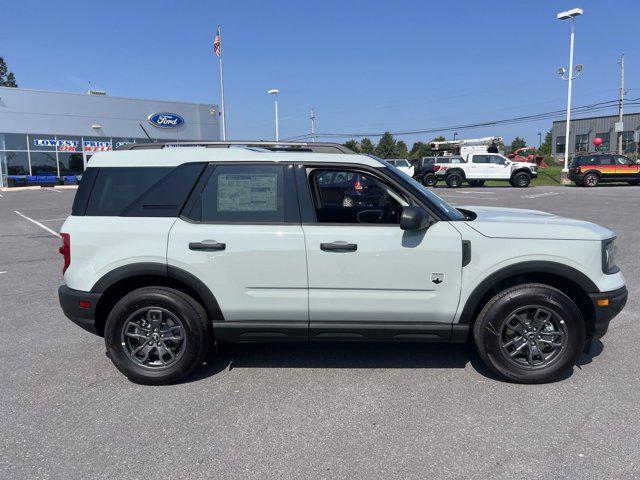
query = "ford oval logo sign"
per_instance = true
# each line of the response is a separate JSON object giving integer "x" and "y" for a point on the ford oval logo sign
{"x": 165, "y": 120}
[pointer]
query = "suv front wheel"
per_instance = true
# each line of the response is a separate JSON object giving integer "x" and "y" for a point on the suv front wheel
{"x": 530, "y": 333}
{"x": 157, "y": 335}
{"x": 521, "y": 180}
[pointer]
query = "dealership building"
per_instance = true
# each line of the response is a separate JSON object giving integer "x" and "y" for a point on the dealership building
{"x": 584, "y": 130}
{"x": 55, "y": 134}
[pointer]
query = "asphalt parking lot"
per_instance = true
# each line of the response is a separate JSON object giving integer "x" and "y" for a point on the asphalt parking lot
{"x": 314, "y": 411}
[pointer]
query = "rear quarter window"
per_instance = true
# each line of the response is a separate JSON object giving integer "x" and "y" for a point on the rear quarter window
{"x": 141, "y": 191}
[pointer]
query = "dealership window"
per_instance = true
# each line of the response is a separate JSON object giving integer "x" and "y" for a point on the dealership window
{"x": 13, "y": 141}
{"x": 43, "y": 163}
{"x": 606, "y": 141}
{"x": 71, "y": 163}
{"x": 582, "y": 143}
{"x": 14, "y": 163}
{"x": 560, "y": 144}
{"x": 628, "y": 144}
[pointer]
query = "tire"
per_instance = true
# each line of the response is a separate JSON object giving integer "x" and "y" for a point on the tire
{"x": 476, "y": 183}
{"x": 150, "y": 315}
{"x": 492, "y": 333}
{"x": 590, "y": 180}
{"x": 348, "y": 202}
{"x": 429, "y": 180}
{"x": 454, "y": 180}
{"x": 521, "y": 180}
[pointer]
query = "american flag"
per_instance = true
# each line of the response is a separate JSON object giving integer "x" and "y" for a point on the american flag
{"x": 217, "y": 43}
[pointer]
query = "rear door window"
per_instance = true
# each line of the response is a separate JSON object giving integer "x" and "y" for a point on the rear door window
{"x": 248, "y": 194}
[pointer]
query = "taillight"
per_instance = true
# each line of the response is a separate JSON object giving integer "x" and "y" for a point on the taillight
{"x": 358, "y": 186}
{"x": 65, "y": 250}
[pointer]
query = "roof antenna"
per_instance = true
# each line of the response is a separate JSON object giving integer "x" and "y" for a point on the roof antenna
{"x": 145, "y": 132}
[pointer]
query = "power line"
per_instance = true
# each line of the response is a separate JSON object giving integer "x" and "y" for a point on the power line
{"x": 594, "y": 107}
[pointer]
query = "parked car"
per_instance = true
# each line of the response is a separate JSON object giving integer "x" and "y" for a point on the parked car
{"x": 592, "y": 168}
{"x": 425, "y": 169}
{"x": 403, "y": 165}
{"x": 169, "y": 249}
{"x": 480, "y": 167}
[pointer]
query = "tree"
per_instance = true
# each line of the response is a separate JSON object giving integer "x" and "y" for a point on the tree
{"x": 401, "y": 150}
{"x": 439, "y": 138}
{"x": 366, "y": 146}
{"x": 352, "y": 145}
{"x": 517, "y": 143}
{"x": 545, "y": 148}
{"x": 7, "y": 79}
{"x": 386, "y": 146}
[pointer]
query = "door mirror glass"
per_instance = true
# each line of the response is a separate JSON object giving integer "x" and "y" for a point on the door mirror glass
{"x": 414, "y": 218}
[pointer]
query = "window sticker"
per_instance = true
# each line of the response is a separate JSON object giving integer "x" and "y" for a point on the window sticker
{"x": 247, "y": 193}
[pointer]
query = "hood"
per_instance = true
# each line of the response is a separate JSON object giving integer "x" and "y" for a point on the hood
{"x": 519, "y": 223}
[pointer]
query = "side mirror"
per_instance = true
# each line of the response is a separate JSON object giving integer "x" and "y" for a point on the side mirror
{"x": 414, "y": 218}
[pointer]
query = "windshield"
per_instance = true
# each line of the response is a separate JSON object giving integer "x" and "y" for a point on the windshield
{"x": 446, "y": 210}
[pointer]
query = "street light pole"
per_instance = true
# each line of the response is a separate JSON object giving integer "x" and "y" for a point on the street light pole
{"x": 570, "y": 14}
{"x": 274, "y": 91}
{"x": 539, "y": 140}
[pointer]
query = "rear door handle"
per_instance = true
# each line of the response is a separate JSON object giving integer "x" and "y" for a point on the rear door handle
{"x": 207, "y": 246}
{"x": 339, "y": 246}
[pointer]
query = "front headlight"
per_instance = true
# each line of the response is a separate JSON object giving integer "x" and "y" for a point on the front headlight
{"x": 608, "y": 256}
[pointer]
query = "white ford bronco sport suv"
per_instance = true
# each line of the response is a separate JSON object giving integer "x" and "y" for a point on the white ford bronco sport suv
{"x": 481, "y": 167}
{"x": 170, "y": 249}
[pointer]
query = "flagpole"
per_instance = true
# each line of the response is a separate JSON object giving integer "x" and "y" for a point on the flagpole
{"x": 224, "y": 111}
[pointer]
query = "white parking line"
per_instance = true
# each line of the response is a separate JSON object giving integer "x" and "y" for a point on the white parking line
{"x": 55, "y": 234}
{"x": 51, "y": 219}
{"x": 52, "y": 190}
{"x": 545, "y": 194}
{"x": 2, "y": 272}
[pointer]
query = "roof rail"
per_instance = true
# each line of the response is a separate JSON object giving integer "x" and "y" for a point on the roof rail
{"x": 315, "y": 147}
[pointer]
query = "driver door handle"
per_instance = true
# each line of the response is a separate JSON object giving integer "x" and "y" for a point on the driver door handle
{"x": 207, "y": 246}
{"x": 339, "y": 246}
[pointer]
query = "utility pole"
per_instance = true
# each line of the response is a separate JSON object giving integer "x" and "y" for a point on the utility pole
{"x": 539, "y": 140}
{"x": 313, "y": 126}
{"x": 620, "y": 104}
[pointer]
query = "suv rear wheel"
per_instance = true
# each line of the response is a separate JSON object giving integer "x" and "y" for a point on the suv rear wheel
{"x": 590, "y": 180}
{"x": 454, "y": 180}
{"x": 521, "y": 180}
{"x": 157, "y": 335}
{"x": 530, "y": 333}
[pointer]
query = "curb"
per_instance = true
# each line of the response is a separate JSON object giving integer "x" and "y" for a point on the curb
{"x": 23, "y": 189}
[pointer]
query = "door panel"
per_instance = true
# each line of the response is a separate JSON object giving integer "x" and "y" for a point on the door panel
{"x": 261, "y": 273}
{"x": 477, "y": 170}
{"x": 388, "y": 277}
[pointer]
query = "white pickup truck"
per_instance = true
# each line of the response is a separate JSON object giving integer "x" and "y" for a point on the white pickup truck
{"x": 480, "y": 167}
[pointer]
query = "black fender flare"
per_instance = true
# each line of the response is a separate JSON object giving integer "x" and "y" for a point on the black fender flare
{"x": 531, "y": 267}
{"x": 162, "y": 270}
{"x": 457, "y": 170}
{"x": 521, "y": 169}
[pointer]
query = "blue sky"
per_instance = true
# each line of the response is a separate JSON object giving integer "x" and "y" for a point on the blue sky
{"x": 363, "y": 66}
